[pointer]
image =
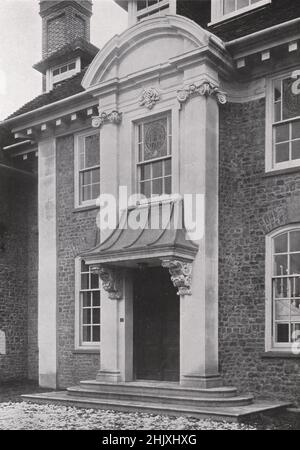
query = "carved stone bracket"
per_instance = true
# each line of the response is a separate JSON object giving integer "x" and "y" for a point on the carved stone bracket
{"x": 149, "y": 98}
{"x": 206, "y": 88}
{"x": 104, "y": 117}
{"x": 109, "y": 281}
{"x": 181, "y": 275}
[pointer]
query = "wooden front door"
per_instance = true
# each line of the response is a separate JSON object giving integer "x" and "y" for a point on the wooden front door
{"x": 156, "y": 326}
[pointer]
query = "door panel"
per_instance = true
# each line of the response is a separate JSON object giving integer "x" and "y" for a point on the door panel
{"x": 156, "y": 326}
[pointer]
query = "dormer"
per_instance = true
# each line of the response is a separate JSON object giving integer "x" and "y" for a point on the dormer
{"x": 142, "y": 9}
{"x": 65, "y": 40}
{"x": 227, "y": 9}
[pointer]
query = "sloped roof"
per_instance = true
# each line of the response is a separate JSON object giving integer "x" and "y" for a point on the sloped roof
{"x": 130, "y": 243}
{"x": 65, "y": 89}
{"x": 275, "y": 13}
{"x": 78, "y": 47}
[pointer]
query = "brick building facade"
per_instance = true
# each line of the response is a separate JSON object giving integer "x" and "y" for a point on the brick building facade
{"x": 220, "y": 79}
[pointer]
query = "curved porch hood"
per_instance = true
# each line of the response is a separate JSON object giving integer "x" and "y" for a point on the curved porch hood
{"x": 146, "y": 234}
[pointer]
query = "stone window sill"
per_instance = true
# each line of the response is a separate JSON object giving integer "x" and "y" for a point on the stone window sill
{"x": 281, "y": 355}
{"x": 87, "y": 351}
{"x": 85, "y": 208}
{"x": 287, "y": 171}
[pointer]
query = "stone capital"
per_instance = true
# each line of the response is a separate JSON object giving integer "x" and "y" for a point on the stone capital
{"x": 110, "y": 282}
{"x": 105, "y": 117}
{"x": 205, "y": 89}
{"x": 181, "y": 275}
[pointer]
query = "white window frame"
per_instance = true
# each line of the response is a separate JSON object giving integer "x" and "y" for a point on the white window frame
{"x": 217, "y": 10}
{"x": 52, "y": 79}
{"x": 79, "y": 345}
{"x": 145, "y": 120}
{"x": 78, "y": 138}
{"x": 270, "y": 164}
{"x": 135, "y": 15}
{"x": 270, "y": 344}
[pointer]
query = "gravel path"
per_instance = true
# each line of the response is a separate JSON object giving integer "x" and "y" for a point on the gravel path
{"x": 29, "y": 416}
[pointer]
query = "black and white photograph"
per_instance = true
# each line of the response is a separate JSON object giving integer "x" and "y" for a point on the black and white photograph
{"x": 149, "y": 218}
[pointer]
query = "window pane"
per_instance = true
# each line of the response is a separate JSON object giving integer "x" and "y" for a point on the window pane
{"x": 229, "y": 6}
{"x": 296, "y": 149}
{"x": 282, "y": 310}
{"x": 96, "y": 298}
{"x": 92, "y": 152}
{"x": 282, "y": 133}
{"x": 146, "y": 188}
{"x": 242, "y": 3}
{"x": 295, "y": 263}
{"x": 86, "y": 316}
{"x": 157, "y": 187}
{"x": 282, "y": 152}
{"x": 72, "y": 66}
{"x": 84, "y": 267}
{"x": 155, "y": 139}
{"x": 291, "y": 102}
{"x": 281, "y": 243}
{"x": 277, "y": 90}
{"x": 63, "y": 69}
{"x": 282, "y": 332}
{"x": 86, "y": 193}
{"x": 168, "y": 169}
{"x": 277, "y": 111}
{"x": 86, "y": 177}
{"x": 157, "y": 169}
{"x": 96, "y": 334}
{"x": 281, "y": 288}
{"x": 95, "y": 191}
{"x": 85, "y": 281}
{"x": 96, "y": 176}
{"x": 296, "y": 130}
{"x": 295, "y": 332}
{"x": 280, "y": 265}
{"x": 295, "y": 289}
{"x": 295, "y": 310}
{"x": 141, "y": 4}
{"x": 96, "y": 316}
{"x": 86, "y": 299}
{"x": 94, "y": 281}
{"x": 295, "y": 241}
{"x": 146, "y": 172}
{"x": 86, "y": 334}
{"x": 168, "y": 185}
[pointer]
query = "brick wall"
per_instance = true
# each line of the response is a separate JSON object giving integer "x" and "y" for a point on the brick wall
{"x": 251, "y": 205}
{"x": 62, "y": 27}
{"x": 16, "y": 199}
{"x": 76, "y": 231}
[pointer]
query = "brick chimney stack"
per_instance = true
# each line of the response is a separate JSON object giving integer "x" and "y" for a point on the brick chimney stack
{"x": 63, "y": 22}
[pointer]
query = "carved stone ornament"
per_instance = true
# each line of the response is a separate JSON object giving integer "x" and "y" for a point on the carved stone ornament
{"x": 206, "y": 88}
{"x": 109, "y": 280}
{"x": 181, "y": 275}
{"x": 149, "y": 98}
{"x": 104, "y": 117}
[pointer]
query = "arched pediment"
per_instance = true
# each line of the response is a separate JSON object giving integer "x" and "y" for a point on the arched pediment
{"x": 150, "y": 43}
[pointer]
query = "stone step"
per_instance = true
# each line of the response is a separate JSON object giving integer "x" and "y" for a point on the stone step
{"x": 169, "y": 389}
{"x": 229, "y": 413}
{"x": 160, "y": 397}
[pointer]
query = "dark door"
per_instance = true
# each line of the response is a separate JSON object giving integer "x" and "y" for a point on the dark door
{"x": 156, "y": 326}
